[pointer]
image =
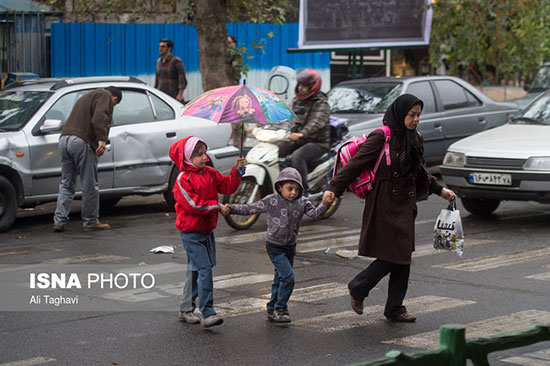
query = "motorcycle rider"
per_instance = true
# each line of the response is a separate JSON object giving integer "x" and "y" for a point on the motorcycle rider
{"x": 310, "y": 137}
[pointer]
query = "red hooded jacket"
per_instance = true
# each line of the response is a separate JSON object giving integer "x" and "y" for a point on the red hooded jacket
{"x": 196, "y": 192}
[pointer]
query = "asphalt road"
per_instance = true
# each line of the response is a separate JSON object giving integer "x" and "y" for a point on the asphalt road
{"x": 502, "y": 283}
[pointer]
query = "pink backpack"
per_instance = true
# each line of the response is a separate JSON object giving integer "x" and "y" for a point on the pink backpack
{"x": 365, "y": 182}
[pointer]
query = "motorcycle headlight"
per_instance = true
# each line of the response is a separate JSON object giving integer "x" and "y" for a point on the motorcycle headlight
{"x": 540, "y": 163}
{"x": 454, "y": 158}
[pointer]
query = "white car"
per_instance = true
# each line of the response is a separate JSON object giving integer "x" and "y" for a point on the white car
{"x": 145, "y": 124}
{"x": 507, "y": 163}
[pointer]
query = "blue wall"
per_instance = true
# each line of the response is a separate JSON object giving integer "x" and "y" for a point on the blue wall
{"x": 91, "y": 49}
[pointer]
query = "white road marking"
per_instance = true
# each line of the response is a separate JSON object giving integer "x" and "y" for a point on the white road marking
{"x": 496, "y": 261}
{"x": 541, "y": 276}
{"x": 483, "y": 328}
{"x": 341, "y": 242}
{"x": 81, "y": 259}
{"x": 539, "y": 358}
{"x": 29, "y": 361}
{"x": 371, "y": 314}
{"x": 309, "y": 294}
{"x": 240, "y": 279}
{"x": 156, "y": 269}
{"x": 220, "y": 282}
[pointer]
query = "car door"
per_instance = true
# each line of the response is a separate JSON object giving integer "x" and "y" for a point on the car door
{"x": 464, "y": 114}
{"x": 45, "y": 162}
{"x": 144, "y": 127}
{"x": 430, "y": 125}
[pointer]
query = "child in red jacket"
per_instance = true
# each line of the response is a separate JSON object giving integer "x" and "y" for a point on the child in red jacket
{"x": 196, "y": 193}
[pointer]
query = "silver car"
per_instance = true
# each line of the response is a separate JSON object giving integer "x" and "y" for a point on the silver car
{"x": 510, "y": 162}
{"x": 453, "y": 108}
{"x": 136, "y": 161}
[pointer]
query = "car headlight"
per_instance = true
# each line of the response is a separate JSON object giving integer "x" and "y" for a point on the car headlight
{"x": 454, "y": 158}
{"x": 541, "y": 163}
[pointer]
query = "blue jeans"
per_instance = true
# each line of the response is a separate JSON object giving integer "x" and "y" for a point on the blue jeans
{"x": 283, "y": 281}
{"x": 201, "y": 258}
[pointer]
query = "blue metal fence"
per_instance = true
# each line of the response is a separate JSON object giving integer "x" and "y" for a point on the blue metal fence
{"x": 91, "y": 49}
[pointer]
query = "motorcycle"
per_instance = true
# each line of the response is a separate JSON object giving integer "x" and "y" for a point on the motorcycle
{"x": 263, "y": 167}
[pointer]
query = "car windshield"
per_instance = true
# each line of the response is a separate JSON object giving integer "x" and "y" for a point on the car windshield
{"x": 367, "y": 97}
{"x": 18, "y": 107}
{"x": 541, "y": 82}
{"x": 537, "y": 113}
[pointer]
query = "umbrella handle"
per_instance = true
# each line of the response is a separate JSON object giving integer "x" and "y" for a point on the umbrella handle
{"x": 243, "y": 169}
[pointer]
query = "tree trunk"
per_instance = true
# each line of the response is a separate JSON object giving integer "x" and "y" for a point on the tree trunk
{"x": 210, "y": 22}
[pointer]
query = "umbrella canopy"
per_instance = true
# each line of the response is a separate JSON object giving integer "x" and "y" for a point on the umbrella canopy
{"x": 240, "y": 103}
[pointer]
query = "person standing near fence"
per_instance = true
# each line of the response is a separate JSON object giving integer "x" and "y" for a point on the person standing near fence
{"x": 170, "y": 73}
{"x": 387, "y": 230}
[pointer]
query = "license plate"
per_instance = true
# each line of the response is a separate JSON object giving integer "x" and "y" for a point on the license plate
{"x": 495, "y": 179}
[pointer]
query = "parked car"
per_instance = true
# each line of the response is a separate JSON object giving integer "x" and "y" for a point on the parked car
{"x": 540, "y": 83}
{"x": 510, "y": 162}
{"x": 453, "y": 108}
{"x": 136, "y": 161}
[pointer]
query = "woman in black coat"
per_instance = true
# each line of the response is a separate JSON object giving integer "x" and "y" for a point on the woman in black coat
{"x": 387, "y": 230}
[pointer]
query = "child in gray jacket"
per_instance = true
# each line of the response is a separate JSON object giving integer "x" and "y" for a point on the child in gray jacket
{"x": 284, "y": 209}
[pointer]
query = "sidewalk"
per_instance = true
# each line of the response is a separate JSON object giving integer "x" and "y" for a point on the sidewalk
{"x": 502, "y": 93}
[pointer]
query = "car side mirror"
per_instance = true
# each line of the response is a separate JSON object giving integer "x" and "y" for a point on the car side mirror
{"x": 51, "y": 125}
{"x": 526, "y": 87}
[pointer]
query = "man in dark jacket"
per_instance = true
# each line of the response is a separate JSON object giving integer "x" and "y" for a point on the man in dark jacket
{"x": 311, "y": 138}
{"x": 83, "y": 140}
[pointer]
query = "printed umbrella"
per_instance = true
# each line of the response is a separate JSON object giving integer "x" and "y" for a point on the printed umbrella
{"x": 240, "y": 104}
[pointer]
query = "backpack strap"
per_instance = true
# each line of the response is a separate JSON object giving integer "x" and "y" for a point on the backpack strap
{"x": 385, "y": 148}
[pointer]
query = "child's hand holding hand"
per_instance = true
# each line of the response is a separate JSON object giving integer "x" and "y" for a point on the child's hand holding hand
{"x": 328, "y": 197}
{"x": 225, "y": 210}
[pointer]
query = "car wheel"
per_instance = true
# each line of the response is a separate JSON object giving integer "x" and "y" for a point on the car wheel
{"x": 480, "y": 206}
{"x": 241, "y": 196}
{"x": 8, "y": 204}
{"x": 168, "y": 194}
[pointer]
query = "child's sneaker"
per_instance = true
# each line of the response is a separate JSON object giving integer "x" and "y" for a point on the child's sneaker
{"x": 270, "y": 316}
{"x": 189, "y": 317}
{"x": 212, "y": 320}
{"x": 281, "y": 316}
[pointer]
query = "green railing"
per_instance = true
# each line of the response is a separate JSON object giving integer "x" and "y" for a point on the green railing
{"x": 454, "y": 349}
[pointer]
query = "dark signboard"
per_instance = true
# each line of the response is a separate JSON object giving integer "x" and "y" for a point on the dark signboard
{"x": 334, "y": 24}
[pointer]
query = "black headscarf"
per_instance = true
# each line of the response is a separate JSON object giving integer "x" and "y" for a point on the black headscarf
{"x": 395, "y": 119}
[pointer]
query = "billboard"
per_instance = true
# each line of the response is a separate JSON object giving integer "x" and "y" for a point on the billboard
{"x": 339, "y": 24}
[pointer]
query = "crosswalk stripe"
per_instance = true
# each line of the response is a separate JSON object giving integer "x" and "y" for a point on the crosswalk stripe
{"x": 484, "y": 328}
{"x": 156, "y": 269}
{"x": 253, "y": 237}
{"x": 541, "y": 276}
{"x": 339, "y": 242}
{"x": 349, "y": 319}
{"x": 496, "y": 261}
{"x": 246, "y": 278}
{"x": 81, "y": 259}
{"x": 539, "y": 358}
{"x": 309, "y": 294}
{"x": 220, "y": 282}
{"x": 29, "y": 361}
{"x": 428, "y": 249}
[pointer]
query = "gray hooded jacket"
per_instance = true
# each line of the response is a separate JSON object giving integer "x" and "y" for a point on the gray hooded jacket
{"x": 283, "y": 216}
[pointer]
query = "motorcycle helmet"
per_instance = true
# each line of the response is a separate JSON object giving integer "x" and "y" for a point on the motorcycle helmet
{"x": 309, "y": 77}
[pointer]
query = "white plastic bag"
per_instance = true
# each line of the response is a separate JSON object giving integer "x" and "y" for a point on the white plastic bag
{"x": 448, "y": 233}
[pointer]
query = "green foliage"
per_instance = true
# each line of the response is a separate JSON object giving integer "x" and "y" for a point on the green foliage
{"x": 505, "y": 38}
{"x": 258, "y": 11}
